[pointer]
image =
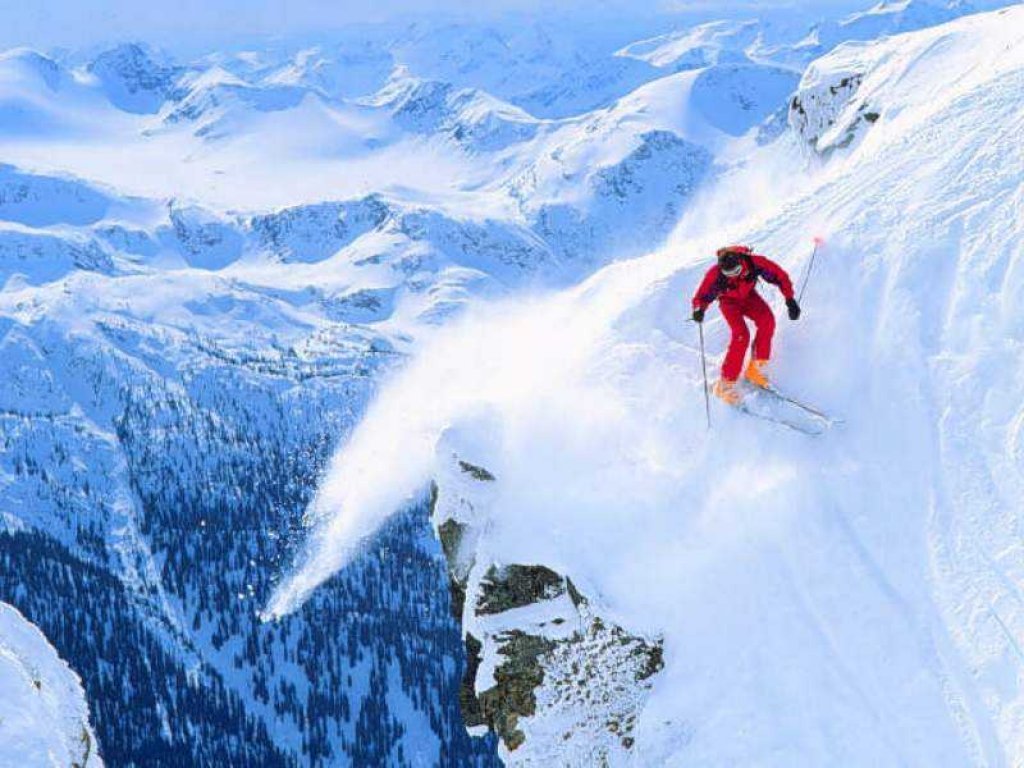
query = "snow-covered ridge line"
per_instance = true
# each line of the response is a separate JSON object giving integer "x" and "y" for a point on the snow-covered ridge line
{"x": 348, "y": 119}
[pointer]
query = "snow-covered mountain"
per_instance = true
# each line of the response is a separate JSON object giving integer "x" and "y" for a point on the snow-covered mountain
{"x": 414, "y": 244}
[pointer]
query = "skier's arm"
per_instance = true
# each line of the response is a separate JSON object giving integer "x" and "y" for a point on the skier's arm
{"x": 775, "y": 275}
{"x": 708, "y": 290}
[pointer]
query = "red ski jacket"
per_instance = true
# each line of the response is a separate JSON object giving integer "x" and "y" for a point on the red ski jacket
{"x": 716, "y": 285}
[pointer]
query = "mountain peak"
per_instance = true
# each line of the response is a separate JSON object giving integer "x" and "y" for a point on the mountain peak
{"x": 134, "y": 77}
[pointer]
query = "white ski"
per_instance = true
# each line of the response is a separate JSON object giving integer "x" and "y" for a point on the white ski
{"x": 770, "y": 404}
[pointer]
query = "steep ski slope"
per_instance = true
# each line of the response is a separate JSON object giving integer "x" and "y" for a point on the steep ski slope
{"x": 44, "y": 720}
{"x": 854, "y": 600}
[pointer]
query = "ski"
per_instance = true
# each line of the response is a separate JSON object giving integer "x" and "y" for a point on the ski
{"x": 770, "y": 404}
{"x": 830, "y": 420}
{"x": 782, "y": 421}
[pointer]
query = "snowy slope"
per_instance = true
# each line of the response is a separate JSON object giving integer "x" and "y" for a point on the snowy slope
{"x": 853, "y": 600}
{"x": 44, "y": 719}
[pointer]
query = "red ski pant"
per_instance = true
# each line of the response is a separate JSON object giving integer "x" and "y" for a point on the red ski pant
{"x": 734, "y": 310}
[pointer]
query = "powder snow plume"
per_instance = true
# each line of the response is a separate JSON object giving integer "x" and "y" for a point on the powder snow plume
{"x": 520, "y": 360}
{"x": 555, "y": 370}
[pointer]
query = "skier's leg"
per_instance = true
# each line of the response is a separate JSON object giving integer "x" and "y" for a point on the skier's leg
{"x": 757, "y": 309}
{"x": 733, "y": 362}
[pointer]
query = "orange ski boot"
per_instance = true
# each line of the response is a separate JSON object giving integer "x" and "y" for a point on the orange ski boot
{"x": 755, "y": 373}
{"x": 725, "y": 390}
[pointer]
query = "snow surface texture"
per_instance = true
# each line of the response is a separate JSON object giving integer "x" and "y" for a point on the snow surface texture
{"x": 851, "y": 600}
{"x": 44, "y": 720}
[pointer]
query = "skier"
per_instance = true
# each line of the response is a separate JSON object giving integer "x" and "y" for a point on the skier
{"x": 733, "y": 281}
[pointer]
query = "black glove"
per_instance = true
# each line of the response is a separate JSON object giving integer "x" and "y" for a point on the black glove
{"x": 698, "y": 315}
{"x": 794, "y": 309}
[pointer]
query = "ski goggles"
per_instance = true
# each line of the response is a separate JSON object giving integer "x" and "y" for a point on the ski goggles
{"x": 730, "y": 264}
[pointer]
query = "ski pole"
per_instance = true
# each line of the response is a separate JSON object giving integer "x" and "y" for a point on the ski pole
{"x": 704, "y": 368}
{"x": 810, "y": 266}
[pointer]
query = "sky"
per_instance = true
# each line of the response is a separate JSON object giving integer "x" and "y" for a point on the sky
{"x": 191, "y": 24}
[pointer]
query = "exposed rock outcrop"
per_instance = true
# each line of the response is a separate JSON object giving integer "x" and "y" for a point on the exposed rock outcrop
{"x": 833, "y": 108}
{"x": 554, "y": 679}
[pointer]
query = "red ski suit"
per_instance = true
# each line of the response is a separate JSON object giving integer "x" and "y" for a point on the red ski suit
{"x": 738, "y": 298}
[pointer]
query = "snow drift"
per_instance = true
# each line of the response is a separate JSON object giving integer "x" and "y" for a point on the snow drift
{"x": 850, "y": 600}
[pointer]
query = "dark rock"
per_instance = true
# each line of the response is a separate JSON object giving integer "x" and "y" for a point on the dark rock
{"x": 472, "y": 712}
{"x": 514, "y": 586}
{"x": 516, "y": 679}
{"x": 477, "y": 473}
